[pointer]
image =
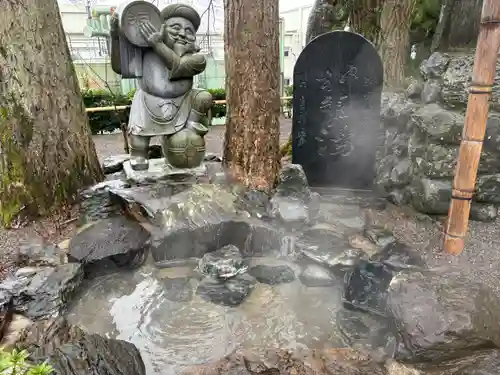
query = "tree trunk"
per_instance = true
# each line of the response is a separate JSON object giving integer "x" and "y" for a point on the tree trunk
{"x": 251, "y": 146}
{"x": 395, "y": 21}
{"x": 46, "y": 152}
{"x": 458, "y": 25}
{"x": 365, "y": 19}
{"x": 327, "y": 15}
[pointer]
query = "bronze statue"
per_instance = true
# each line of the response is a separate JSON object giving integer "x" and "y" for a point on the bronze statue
{"x": 159, "y": 49}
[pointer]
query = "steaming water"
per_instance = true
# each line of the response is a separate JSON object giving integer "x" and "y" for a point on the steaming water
{"x": 173, "y": 335}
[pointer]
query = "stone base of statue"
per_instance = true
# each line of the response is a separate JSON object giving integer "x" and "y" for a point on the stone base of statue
{"x": 159, "y": 170}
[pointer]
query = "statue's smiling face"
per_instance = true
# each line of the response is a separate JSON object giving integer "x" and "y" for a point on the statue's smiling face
{"x": 180, "y": 35}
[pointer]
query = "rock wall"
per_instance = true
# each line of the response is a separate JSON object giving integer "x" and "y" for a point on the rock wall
{"x": 422, "y": 134}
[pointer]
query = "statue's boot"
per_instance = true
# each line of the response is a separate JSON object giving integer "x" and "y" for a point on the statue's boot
{"x": 139, "y": 147}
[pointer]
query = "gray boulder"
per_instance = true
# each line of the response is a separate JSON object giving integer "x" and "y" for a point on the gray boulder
{"x": 434, "y": 196}
{"x": 432, "y": 91}
{"x": 435, "y": 66}
{"x": 223, "y": 263}
{"x": 314, "y": 275}
{"x": 272, "y": 275}
{"x": 329, "y": 248}
{"x": 442, "y": 316}
{"x": 119, "y": 239}
{"x": 231, "y": 292}
{"x": 96, "y": 202}
{"x": 39, "y": 254}
{"x": 70, "y": 351}
{"x": 396, "y": 112}
{"x": 398, "y": 256}
{"x": 251, "y": 237}
{"x": 114, "y": 163}
{"x": 488, "y": 188}
{"x": 438, "y": 125}
{"x": 456, "y": 81}
{"x": 439, "y": 161}
{"x": 293, "y": 202}
{"x": 401, "y": 174}
{"x": 43, "y": 292}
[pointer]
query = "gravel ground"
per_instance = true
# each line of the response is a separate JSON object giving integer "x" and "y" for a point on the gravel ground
{"x": 112, "y": 144}
{"x": 480, "y": 260}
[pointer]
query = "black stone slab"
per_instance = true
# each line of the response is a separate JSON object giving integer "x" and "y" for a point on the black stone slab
{"x": 338, "y": 81}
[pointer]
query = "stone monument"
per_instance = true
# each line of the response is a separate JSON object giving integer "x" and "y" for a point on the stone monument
{"x": 159, "y": 49}
{"x": 338, "y": 81}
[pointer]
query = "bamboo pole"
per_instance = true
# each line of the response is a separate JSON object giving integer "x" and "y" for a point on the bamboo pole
{"x": 122, "y": 107}
{"x": 469, "y": 153}
{"x": 107, "y": 109}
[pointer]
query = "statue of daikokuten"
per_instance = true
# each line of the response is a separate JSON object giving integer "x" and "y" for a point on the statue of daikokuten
{"x": 159, "y": 49}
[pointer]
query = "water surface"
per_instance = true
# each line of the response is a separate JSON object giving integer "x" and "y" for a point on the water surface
{"x": 134, "y": 306}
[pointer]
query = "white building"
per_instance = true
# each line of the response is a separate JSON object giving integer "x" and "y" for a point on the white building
{"x": 294, "y": 39}
{"x": 90, "y": 55}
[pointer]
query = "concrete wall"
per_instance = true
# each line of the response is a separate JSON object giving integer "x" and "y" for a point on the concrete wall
{"x": 294, "y": 39}
{"x": 97, "y": 76}
{"x": 214, "y": 76}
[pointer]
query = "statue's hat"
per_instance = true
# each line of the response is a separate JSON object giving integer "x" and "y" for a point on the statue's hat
{"x": 184, "y": 11}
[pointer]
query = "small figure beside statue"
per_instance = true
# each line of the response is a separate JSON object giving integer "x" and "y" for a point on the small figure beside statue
{"x": 159, "y": 49}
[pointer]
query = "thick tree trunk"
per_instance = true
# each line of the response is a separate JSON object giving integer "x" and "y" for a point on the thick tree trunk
{"x": 327, "y": 15}
{"x": 365, "y": 19}
{"x": 458, "y": 25}
{"x": 251, "y": 147}
{"x": 395, "y": 21}
{"x": 46, "y": 152}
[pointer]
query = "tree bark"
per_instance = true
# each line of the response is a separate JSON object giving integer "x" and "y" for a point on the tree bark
{"x": 458, "y": 25}
{"x": 326, "y": 16}
{"x": 395, "y": 22}
{"x": 365, "y": 19}
{"x": 251, "y": 40}
{"x": 46, "y": 152}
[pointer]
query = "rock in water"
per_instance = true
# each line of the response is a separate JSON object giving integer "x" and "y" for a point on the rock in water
{"x": 226, "y": 293}
{"x": 442, "y": 316}
{"x": 329, "y": 248}
{"x": 365, "y": 287}
{"x": 316, "y": 276}
{"x": 114, "y": 238}
{"x": 178, "y": 289}
{"x": 224, "y": 263}
{"x": 70, "y": 351}
{"x": 43, "y": 292}
{"x": 369, "y": 332}
{"x": 272, "y": 275}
